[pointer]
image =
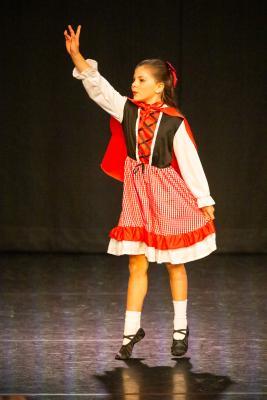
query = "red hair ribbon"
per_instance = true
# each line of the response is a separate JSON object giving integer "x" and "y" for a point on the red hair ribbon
{"x": 173, "y": 72}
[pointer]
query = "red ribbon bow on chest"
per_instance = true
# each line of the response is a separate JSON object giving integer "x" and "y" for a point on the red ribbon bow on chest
{"x": 147, "y": 109}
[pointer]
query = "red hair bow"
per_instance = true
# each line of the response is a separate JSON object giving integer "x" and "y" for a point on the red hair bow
{"x": 173, "y": 72}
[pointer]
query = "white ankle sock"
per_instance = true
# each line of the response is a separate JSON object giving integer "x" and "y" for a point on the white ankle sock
{"x": 131, "y": 324}
{"x": 180, "y": 318}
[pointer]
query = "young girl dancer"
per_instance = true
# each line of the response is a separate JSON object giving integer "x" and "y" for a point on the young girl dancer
{"x": 167, "y": 211}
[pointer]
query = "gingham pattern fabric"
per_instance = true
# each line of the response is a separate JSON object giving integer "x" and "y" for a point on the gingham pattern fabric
{"x": 158, "y": 200}
{"x": 146, "y": 128}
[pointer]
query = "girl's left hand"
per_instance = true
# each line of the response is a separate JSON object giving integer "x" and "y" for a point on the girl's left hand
{"x": 208, "y": 211}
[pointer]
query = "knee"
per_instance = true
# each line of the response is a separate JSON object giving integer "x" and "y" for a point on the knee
{"x": 138, "y": 265}
{"x": 176, "y": 271}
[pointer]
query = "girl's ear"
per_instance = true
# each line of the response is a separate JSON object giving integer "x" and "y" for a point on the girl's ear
{"x": 160, "y": 87}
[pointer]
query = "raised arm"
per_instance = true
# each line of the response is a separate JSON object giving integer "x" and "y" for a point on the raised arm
{"x": 96, "y": 86}
{"x": 191, "y": 167}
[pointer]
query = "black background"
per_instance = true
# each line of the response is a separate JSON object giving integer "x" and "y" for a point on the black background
{"x": 54, "y": 196}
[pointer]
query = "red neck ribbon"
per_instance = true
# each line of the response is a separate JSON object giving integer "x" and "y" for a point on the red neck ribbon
{"x": 158, "y": 106}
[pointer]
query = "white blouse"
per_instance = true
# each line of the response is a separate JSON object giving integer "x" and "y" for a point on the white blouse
{"x": 103, "y": 93}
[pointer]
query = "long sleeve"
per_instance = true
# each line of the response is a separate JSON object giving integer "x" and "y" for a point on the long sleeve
{"x": 191, "y": 167}
{"x": 100, "y": 90}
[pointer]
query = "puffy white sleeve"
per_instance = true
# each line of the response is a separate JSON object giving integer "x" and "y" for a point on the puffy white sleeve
{"x": 191, "y": 167}
{"x": 100, "y": 90}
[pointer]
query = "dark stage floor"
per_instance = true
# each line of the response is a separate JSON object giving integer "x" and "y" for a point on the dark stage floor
{"x": 62, "y": 318}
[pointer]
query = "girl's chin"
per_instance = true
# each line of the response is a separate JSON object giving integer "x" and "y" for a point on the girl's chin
{"x": 137, "y": 97}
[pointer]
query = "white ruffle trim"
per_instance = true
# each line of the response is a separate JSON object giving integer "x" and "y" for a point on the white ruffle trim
{"x": 173, "y": 256}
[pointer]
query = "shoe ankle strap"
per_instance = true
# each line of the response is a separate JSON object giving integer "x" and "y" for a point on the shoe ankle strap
{"x": 183, "y": 330}
{"x": 129, "y": 336}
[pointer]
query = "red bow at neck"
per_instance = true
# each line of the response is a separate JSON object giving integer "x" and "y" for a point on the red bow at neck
{"x": 158, "y": 106}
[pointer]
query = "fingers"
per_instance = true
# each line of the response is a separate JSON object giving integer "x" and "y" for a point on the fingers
{"x": 211, "y": 215}
{"x": 72, "y": 33}
{"x": 208, "y": 214}
{"x": 66, "y": 35}
{"x": 78, "y": 31}
{"x": 208, "y": 211}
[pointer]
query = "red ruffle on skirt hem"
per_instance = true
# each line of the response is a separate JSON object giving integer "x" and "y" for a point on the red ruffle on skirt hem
{"x": 162, "y": 242}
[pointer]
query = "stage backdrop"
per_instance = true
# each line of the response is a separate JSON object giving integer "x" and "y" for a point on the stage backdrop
{"x": 54, "y": 196}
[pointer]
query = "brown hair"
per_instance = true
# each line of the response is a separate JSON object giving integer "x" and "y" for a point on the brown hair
{"x": 162, "y": 73}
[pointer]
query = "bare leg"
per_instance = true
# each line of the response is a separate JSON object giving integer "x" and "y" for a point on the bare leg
{"x": 178, "y": 284}
{"x": 137, "y": 289}
{"x": 178, "y": 281}
{"x": 138, "y": 282}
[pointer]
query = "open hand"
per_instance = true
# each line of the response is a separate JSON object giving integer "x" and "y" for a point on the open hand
{"x": 72, "y": 40}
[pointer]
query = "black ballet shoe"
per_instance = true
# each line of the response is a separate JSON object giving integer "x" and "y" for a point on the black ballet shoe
{"x": 180, "y": 346}
{"x": 125, "y": 351}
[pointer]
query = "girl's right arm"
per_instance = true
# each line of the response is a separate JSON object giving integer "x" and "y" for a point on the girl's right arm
{"x": 101, "y": 91}
{"x": 97, "y": 87}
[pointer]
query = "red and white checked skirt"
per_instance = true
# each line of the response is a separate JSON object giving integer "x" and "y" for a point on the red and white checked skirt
{"x": 160, "y": 217}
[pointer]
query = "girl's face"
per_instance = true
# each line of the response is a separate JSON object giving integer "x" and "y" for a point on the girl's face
{"x": 144, "y": 86}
